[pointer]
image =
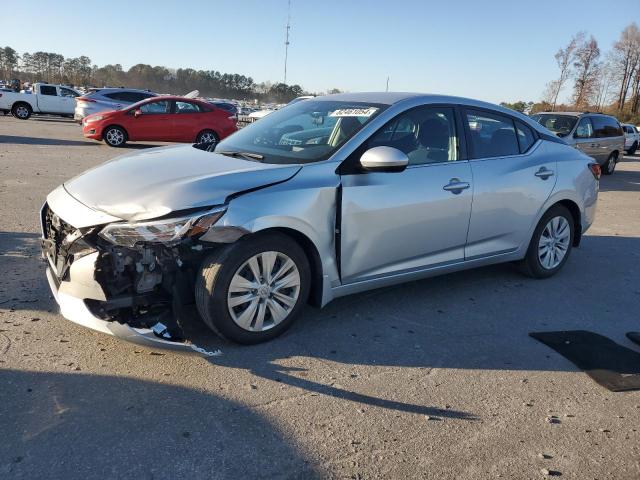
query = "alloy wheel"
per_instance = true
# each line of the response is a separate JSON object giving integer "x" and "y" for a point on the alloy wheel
{"x": 208, "y": 137}
{"x": 554, "y": 242}
{"x": 263, "y": 291}
{"x": 115, "y": 137}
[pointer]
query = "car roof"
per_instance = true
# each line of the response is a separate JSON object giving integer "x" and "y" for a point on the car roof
{"x": 391, "y": 98}
{"x": 573, "y": 114}
{"x": 100, "y": 91}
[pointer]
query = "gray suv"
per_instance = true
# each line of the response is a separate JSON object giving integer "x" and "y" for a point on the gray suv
{"x": 599, "y": 136}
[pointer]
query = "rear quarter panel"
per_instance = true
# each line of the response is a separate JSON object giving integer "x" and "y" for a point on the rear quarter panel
{"x": 575, "y": 182}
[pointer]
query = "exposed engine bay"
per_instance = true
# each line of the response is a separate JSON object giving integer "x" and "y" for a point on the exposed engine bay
{"x": 147, "y": 286}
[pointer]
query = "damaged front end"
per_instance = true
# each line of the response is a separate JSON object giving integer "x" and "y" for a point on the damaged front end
{"x": 131, "y": 280}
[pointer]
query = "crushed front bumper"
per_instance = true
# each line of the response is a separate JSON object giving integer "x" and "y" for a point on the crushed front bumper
{"x": 74, "y": 309}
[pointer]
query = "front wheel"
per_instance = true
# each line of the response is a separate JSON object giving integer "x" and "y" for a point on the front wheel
{"x": 633, "y": 149}
{"x": 610, "y": 165}
{"x": 114, "y": 136}
{"x": 551, "y": 243}
{"x": 251, "y": 291}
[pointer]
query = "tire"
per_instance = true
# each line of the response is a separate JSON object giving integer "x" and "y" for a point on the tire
{"x": 22, "y": 111}
{"x": 535, "y": 263}
{"x": 610, "y": 165}
{"x": 633, "y": 149}
{"x": 114, "y": 136}
{"x": 207, "y": 136}
{"x": 214, "y": 279}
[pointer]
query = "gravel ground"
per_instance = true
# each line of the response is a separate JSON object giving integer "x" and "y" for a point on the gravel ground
{"x": 431, "y": 379}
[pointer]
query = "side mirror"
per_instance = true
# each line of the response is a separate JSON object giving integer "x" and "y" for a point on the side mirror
{"x": 137, "y": 113}
{"x": 384, "y": 159}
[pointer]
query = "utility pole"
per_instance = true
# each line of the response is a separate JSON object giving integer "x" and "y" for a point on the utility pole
{"x": 286, "y": 41}
{"x": 387, "y": 85}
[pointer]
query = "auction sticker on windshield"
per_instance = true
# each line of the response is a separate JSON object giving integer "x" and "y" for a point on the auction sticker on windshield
{"x": 354, "y": 112}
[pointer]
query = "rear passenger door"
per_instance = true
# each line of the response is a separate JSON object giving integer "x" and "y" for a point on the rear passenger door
{"x": 512, "y": 178}
{"x": 188, "y": 121}
{"x": 609, "y": 136}
{"x": 586, "y": 140}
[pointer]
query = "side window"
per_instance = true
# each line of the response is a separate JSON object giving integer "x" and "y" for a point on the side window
{"x": 65, "y": 92}
{"x": 118, "y": 96}
{"x": 491, "y": 135}
{"x": 584, "y": 129}
{"x": 156, "y": 107}
{"x": 606, "y": 127}
{"x": 48, "y": 90}
{"x": 187, "y": 107}
{"x": 526, "y": 138}
{"x": 426, "y": 135}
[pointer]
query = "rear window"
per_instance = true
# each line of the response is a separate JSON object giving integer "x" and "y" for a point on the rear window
{"x": 604, "y": 126}
{"x": 561, "y": 125}
{"x": 491, "y": 135}
{"x": 48, "y": 90}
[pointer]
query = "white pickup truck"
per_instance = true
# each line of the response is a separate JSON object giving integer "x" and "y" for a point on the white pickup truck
{"x": 46, "y": 98}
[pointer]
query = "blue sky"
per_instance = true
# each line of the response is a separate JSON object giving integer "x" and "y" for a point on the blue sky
{"x": 490, "y": 50}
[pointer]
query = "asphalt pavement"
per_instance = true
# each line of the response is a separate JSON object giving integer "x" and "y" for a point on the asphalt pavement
{"x": 431, "y": 379}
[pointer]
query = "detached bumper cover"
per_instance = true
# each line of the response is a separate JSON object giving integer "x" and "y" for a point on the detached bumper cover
{"x": 75, "y": 310}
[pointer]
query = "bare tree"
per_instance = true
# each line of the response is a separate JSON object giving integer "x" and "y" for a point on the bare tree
{"x": 603, "y": 86}
{"x": 565, "y": 57}
{"x": 626, "y": 55}
{"x": 586, "y": 74}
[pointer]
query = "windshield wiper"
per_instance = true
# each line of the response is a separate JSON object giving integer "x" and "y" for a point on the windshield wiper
{"x": 245, "y": 155}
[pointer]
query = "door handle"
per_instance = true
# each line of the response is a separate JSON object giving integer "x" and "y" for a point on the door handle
{"x": 456, "y": 186}
{"x": 544, "y": 173}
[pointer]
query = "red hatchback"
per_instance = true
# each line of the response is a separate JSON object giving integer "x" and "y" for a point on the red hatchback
{"x": 161, "y": 119}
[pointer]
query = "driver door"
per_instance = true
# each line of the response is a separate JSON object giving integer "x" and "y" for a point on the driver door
{"x": 155, "y": 122}
{"x": 396, "y": 222}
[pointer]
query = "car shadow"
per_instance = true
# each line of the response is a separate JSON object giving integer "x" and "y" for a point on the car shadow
{"x": 474, "y": 320}
{"x": 81, "y": 426}
{"x": 621, "y": 181}
{"x": 20, "y": 140}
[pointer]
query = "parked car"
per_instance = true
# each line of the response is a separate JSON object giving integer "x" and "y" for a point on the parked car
{"x": 631, "y": 138}
{"x": 45, "y": 98}
{"x": 228, "y": 106}
{"x": 105, "y": 99}
{"x": 328, "y": 197}
{"x": 244, "y": 120}
{"x": 163, "y": 119}
{"x": 599, "y": 136}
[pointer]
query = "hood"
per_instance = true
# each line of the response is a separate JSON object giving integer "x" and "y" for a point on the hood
{"x": 159, "y": 181}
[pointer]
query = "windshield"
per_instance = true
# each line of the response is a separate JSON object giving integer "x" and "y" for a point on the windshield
{"x": 304, "y": 132}
{"x": 561, "y": 125}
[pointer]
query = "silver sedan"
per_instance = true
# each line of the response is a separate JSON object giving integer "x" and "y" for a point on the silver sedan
{"x": 324, "y": 198}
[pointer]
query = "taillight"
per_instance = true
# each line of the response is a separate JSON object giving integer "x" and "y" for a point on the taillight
{"x": 595, "y": 170}
{"x": 83, "y": 99}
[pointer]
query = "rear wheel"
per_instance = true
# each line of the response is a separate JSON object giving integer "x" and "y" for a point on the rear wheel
{"x": 252, "y": 290}
{"x": 551, "y": 243}
{"x": 610, "y": 165}
{"x": 633, "y": 149}
{"x": 114, "y": 136}
{"x": 207, "y": 136}
{"x": 22, "y": 111}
